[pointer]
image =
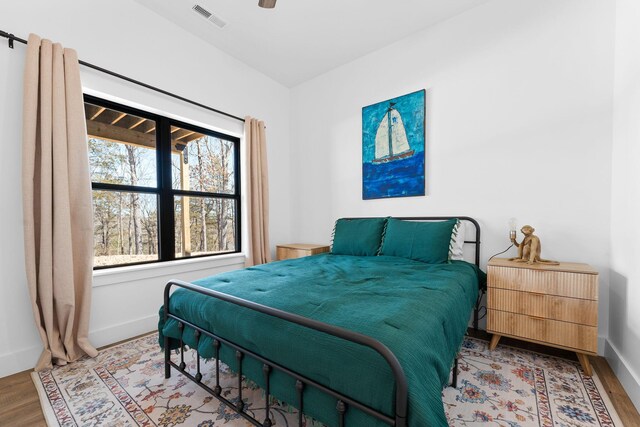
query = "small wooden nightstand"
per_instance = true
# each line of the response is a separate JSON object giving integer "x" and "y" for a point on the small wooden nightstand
{"x": 555, "y": 305}
{"x": 299, "y": 250}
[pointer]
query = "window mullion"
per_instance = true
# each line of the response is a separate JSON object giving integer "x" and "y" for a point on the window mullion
{"x": 166, "y": 204}
{"x": 237, "y": 174}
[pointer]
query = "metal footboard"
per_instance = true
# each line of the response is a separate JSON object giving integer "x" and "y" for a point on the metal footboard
{"x": 343, "y": 402}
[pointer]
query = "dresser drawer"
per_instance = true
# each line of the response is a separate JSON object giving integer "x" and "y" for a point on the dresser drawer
{"x": 563, "y": 334}
{"x": 559, "y": 283}
{"x": 554, "y": 307}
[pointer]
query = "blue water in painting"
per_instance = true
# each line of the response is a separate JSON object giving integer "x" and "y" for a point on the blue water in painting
{"x": 399, "y": 178}
{"x": 404, "y": 177}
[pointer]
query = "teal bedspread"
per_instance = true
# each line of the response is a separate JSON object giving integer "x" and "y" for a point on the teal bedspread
{"x": 419, "y": 311}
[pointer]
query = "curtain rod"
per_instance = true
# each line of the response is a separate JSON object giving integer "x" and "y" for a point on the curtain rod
{"x": 11, "y": 38}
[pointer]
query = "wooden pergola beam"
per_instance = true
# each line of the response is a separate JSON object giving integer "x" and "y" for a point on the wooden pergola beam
{"x": 120, "y": 117}
{"x": 118, "y": 134}
{"x": 136, "y": 124}
{"x": 190, "y": 138}
{"x": 185, "y": 135}
{"x": 97, "y": 113}
{"x": 122, "y": 135}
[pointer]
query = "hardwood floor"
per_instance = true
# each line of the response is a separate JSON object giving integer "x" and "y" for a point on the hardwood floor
{"x": 628, "y": 413}
{"x": 19, "y": 404}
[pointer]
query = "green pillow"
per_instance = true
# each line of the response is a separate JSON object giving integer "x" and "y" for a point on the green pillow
{"x": 360, "y": 237}
{"x": 423, "y": 241}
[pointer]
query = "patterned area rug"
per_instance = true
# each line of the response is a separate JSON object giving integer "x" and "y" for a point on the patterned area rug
{"x": 125, "y": 386}
{"x": 512, "y": 387}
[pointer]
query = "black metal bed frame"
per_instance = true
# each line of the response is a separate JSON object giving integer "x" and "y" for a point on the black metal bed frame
{"x": 399, "y": 419}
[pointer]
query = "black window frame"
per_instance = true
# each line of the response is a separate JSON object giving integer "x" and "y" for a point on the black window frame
{"x": 164, "y": 190}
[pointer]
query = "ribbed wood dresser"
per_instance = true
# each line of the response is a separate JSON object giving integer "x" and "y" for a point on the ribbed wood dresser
{"x": 555, "y": 305}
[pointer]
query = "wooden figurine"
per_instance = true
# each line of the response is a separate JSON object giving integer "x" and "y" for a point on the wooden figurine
{"x": 529, "y": 250}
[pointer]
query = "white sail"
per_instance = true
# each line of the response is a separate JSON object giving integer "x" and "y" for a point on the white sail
{"x": 399, "y": 142}
{"x": 382, "y": 138}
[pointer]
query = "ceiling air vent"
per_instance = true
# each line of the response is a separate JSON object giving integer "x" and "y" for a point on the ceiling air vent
{"x": 209, "y": 16}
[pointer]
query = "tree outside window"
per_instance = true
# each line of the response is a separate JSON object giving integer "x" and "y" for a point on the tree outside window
{"x": 199, "y": 191}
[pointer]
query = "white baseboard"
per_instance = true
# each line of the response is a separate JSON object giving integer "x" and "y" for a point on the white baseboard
{"x": 602, "y": 345}
{"x": 25, "y": 359}
{"x": 123, "y": 331}
{"x": 19, "y": 360}
{"x": 629, "y": 380}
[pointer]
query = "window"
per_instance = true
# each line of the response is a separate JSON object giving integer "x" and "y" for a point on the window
{"x": 162, "y": 189}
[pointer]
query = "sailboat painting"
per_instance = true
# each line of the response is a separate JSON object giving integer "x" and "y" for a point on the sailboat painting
{"x": 393, "y": 147}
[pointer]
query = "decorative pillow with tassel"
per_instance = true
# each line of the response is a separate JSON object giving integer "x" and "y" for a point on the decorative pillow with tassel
{"x": 428, "y": 242}
{"x": 359, "y": 237}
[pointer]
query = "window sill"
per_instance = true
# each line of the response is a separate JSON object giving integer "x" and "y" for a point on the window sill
{"x": 116, "y": 275}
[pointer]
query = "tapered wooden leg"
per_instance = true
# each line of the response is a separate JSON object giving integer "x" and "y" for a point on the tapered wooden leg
{"x": 584, "y": 362}
{"x": 494, "y": 342}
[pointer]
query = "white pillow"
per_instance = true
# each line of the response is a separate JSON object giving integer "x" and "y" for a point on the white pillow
{"x": 457, "y": 242}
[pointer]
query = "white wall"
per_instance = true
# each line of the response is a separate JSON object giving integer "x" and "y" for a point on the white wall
{"x": 623, "y": 351}
{"x": 519, "y": 116}
{"x": 127, "y": 38}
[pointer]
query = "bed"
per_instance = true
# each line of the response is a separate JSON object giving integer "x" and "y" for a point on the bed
{"x": 349, "y": 340}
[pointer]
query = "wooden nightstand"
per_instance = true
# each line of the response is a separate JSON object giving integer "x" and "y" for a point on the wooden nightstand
{"x": 555, "y": 305}
{"x": 299, "y": 250}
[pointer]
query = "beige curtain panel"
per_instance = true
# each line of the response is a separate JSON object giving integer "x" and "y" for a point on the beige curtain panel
{"x": 258, "y": 189}
{"x": 58, "y": 220}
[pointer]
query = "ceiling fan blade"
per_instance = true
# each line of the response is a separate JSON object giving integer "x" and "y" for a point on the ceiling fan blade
{"x": 267, "y": 4}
